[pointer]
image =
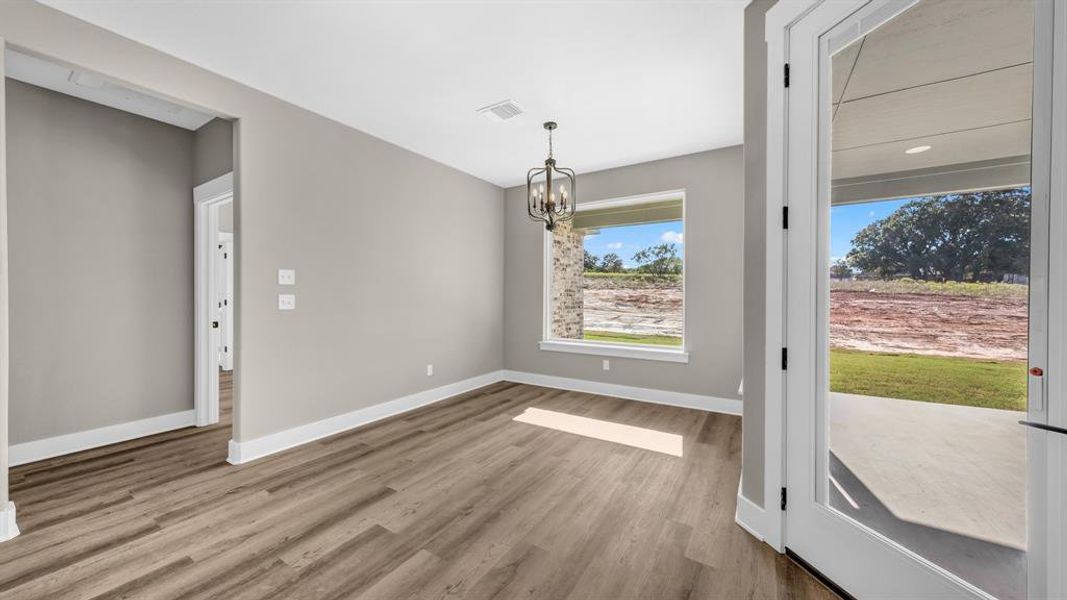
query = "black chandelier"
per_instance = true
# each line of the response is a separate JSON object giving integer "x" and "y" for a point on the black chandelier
{"x": 543, "y": 204}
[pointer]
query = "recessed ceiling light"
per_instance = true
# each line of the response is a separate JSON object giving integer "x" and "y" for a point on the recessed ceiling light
{"x": 917, "y": 150}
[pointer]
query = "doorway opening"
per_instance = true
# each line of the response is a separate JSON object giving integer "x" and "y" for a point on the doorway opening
{"x": 214, "y": 300}
{"x": 101, "y": 251}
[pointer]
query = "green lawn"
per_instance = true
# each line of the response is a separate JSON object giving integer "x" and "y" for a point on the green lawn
{"x": 629, "y": 338}
{"x": 945, "y": 380}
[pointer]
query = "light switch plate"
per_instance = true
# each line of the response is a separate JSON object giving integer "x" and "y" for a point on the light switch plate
{"x": 286, "y": 276}
{"x": 286, "y": 301}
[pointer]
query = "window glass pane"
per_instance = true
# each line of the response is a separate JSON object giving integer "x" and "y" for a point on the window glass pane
{"x": 618, "y": 275}
{"x": 928, "y": 290}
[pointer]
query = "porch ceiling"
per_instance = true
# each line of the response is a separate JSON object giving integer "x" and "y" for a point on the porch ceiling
{"x": 955, "y": 75}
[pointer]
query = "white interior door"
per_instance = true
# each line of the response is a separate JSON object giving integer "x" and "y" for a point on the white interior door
{"x": 898, "y": 552}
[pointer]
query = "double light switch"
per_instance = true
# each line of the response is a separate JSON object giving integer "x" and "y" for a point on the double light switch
{"x": 286, "y": 301}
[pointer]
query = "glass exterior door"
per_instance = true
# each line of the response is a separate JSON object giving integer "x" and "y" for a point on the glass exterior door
{"x": 916, "y": 340}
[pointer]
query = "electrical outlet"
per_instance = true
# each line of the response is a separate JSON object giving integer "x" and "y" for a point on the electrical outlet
{"x": 429, "y": 370}
{"x": 286, "y": 302}
{"x": 607, "y": 365}
{"x": 286, "y": 277}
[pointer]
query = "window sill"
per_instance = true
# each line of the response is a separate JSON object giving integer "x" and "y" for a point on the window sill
{"x": 615, "y": 350}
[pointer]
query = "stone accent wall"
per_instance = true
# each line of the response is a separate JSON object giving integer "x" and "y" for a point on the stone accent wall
{"x": 568, "y": 267}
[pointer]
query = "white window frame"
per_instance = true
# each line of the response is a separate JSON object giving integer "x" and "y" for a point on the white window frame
{"x": 637, "y": 351}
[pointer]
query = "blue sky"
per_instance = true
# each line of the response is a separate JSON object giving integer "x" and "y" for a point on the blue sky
{"x": 847, "y": 220}
{"x": 627, "y": 240}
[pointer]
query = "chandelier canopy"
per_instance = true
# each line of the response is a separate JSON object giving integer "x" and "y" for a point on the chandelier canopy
{"x": 543, "y": 203}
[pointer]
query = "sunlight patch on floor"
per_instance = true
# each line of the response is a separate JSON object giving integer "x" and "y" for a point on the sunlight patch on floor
{"x": 638, "y": 437}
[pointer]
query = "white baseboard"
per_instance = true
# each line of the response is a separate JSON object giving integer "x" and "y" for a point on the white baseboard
{"x": 750, "y": 516}
{"x": 8, "y": 528}
{"x": 249, "y": 450}
{"x": 681, "y": 399}
{"x": 28, "y": 452}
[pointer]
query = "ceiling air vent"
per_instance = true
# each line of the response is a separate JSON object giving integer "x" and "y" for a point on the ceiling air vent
{"x": 501, "y": 111}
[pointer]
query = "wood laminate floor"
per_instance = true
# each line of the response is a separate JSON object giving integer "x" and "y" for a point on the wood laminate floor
{"x": 455, "y": 500}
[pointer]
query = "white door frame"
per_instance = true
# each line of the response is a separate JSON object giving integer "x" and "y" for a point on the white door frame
{"x": 207, "y": 199}
{"x": 1055, "y": 445}
{"x": 1049, "y": 498}
{"x": 8, "y": 527}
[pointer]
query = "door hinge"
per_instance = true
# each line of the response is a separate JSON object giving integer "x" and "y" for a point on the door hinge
{"x": 785, "y": 359}
{"x": 785, "y": 217}
{"x": 786, "y": 78}
{"x": 783, "y": 498}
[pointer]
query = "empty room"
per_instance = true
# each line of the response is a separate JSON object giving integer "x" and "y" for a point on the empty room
{"x": 592, "y": 300}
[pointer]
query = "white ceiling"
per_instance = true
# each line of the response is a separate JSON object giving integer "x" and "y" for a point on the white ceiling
{"x": 94, "y": 88}
{"x": 956, "y": 75}
{"x": 627, "y": 82}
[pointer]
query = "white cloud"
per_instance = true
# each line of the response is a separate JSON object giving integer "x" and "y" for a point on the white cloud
{"x": 672, "y": 237}
{"x": 615, "y": 245}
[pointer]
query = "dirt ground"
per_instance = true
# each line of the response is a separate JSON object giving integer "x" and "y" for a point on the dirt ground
{"x": 935, "y": 324}
{"x": 640, "y": 309}
{"x": 967, "y": 326}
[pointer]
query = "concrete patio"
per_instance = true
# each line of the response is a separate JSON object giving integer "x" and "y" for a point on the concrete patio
{"x": 948, "y": 482}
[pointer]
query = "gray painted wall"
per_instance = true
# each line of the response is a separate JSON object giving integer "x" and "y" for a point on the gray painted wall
{"x": 755, "y": 249}
{"x": 714, "y": 221}
{"x": 399, "y": 259}
{"x": 212, "y": 150}
{"x": 225, "y": 223}
{"x": 213, "y": 157}
{"x": 99, "y": 203}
